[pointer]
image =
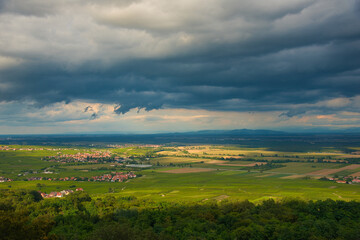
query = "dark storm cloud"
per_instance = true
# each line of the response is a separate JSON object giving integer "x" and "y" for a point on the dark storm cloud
{"x": 225, "y": 55}
{"x": 93, "y": 116}
{"x": 292, "y": 113}
{"x": 88, "y": 109}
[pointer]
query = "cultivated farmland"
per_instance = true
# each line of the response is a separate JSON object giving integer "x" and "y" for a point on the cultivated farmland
{"x": 185, "y": 173}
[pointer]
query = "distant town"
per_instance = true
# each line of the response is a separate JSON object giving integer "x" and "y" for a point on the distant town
{"x": 111, "y": 177}
{"x": 59, "y": 194}
{"x": 95, "y": 157}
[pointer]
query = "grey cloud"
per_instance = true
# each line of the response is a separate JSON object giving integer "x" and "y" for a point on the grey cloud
{"x": 27, "y": 114}
{"x": 93, "y": 116}
{"x": 195, "y": 16}
{"x": 222, "y": 55}
{"x": 331, "y": 106}
{"x": 30, "y": 7}
{"x": 88, "y": 109}
{"x": 292, "y": 113}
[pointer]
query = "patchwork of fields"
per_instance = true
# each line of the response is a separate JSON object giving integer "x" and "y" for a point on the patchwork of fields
{"x": 191, "y": 173}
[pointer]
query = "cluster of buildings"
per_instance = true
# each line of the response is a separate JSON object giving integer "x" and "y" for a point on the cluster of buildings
{"x": 59, "y": 194}
{"x": 111, "y": 177}
{"x": 133, "y": 145}
{"x": 346, "y": 180}
{"x": 4, "y": 179}
{"x": 36, "y": 178}
{"x": 57, "y": 179}
{"x": 94, "y": 157}
{"x": 114, "y": 177}
{"x": 7, "y": 148}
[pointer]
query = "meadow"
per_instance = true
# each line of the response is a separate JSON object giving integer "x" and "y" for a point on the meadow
{"x": 190, "y": 173}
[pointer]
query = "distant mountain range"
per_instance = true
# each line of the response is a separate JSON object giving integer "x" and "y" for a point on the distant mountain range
{"x": 235, "y": 132}
{"x": 303, "y": 140}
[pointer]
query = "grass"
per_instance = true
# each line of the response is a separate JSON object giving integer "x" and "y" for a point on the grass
{"x": 303, "y": 168}
{"x": 347, "y": 172}
{"x": 175, "y": 160}
{"x": 13, "y": 163}
{"x": 237, "y": 185}
{"x": 226, "y": 183}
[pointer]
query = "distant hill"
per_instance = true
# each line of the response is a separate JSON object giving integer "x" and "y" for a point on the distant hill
{"x": 237, "y": 132}
{"x": 275, "y": 140}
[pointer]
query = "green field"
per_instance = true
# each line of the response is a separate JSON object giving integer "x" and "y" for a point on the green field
{"x": 303, "y": 168}
{"x": 232, "y": 185}
{"x": 230, "y": 179}
{"x": 186, "y": 192}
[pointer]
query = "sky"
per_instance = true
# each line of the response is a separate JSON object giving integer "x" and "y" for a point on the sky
{"x": 146, "y": 66}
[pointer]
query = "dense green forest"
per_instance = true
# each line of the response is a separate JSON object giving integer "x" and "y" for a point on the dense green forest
{"x": 25, "y": 215}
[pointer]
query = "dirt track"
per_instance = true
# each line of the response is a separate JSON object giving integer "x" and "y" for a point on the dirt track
{"x": 294, "y": 176}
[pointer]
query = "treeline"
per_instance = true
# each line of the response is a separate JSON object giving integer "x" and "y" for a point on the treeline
{"x": 25, "y": 215}
{"x": 264, "y": 167}
{"x": 282, "y": 159}
{"x": 353, "y": 160}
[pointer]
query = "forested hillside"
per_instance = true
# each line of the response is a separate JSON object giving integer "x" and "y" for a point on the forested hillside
{"x": 25, "y": 215}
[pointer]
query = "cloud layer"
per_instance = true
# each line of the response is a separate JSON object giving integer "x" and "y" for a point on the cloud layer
{"x": 292, "y": 57}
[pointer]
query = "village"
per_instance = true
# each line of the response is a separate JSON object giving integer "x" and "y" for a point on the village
{"x": 111, "y": 177}
{"x": 4, "y": 179}
{"x": 344, "y": 180}
{"x": 8, "y": 148}
{"x": 59, "y": 194}
{"x": 134, "y": 145}
{"x": 94, "y": 157}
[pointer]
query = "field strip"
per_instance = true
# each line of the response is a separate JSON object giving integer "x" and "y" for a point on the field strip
{"x": 258, "y": 171}
{"x": 216, "y": 161}
{"x": 350, "y": 156}
{"x": 241, "y": 165}
{"x": 357, "y": 174}
{"x": 189, "y": 170}
{"x": 293, "y": 176}
{"x": 332, "y": 171}
{"x": 267, "y": 175}
{"x": 233, "y": 157}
